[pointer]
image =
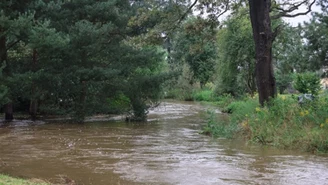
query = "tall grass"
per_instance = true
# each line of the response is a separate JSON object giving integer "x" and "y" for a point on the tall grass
{"x": 284, "y": 123}
{"x": 6, "y": 180}
{"x": 203, "y": 95}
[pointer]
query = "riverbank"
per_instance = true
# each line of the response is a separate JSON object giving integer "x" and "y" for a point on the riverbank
{"x": 284, "y": 124}
{"x": 6, "y": 180}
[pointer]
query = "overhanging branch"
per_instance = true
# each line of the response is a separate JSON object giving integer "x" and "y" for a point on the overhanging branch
{"x": 286, "y": 12}
{"x": 188, "y": 10}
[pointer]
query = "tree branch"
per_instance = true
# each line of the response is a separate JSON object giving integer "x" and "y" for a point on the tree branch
{"x": 224, "y": 11}
{"x": 276, "y": 31}
{"x": 188, "y": 10}
{"x": 13, "y": 44}
{"x": 285, "y": 12}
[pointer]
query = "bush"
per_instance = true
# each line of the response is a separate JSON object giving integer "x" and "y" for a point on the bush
{"x": 119, "y": 103}
{"x": 203, "y": 95}
{"x": 307, "y": 83}
{"x": 283, "y": 81}
{"x": 230, "y": 127}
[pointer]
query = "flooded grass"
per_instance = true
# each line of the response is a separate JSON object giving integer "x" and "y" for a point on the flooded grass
{"x": 59, "y": 180}
{"x": 6, "y": 180}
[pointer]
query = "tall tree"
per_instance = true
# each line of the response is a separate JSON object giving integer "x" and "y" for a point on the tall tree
{"x": 15, "y": 19}
{"x": 72, "y": 57}
{"x": 195, "y": 45}
{"x": 263, "y": 38}
{"x": 261, "y": 12}
{"x": 236, "y": 55}
{"x": 315, "y": 33}
{"x": 99, "y": 60}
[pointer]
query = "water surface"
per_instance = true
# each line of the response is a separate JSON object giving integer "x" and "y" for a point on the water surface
{"x": 167, "y": 150}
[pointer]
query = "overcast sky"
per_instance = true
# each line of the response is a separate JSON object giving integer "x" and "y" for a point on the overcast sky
{"x": 300, "y": 19}
{"x": 293, "y": 21}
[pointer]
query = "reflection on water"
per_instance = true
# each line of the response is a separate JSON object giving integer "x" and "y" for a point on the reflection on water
{"x": 167, "y": 150}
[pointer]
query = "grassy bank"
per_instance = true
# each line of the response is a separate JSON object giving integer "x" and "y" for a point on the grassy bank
{"x": 6, "y": 180}
{"x": 284, "y": 124}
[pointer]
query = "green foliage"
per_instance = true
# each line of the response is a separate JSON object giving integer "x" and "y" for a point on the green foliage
{"x": 290, "y": 126}
{"x": 3, "y": 89}
{"x": 236, "y": 56}
{"x": 217, "y": 127}
{"x": 221, "y": 126}
{"x": 203, "y": 95}
{"x": 284, "y": 124}
{"x": 224, "y": 100}
{"x": 307, "y": 83}
{"x": 141, "y": 90}
{"x": 283, "y": 81}
{"x": 182, "y": 86}
{"x": 4, "y": 179}
{"x": 119, "y": 103}
{"x": 195, "y": 45}
{"x": 289, "y": 51}
{"x": 71, "y": 57}
{"x": 315, "y": 32}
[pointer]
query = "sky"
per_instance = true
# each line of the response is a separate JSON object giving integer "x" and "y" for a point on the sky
{"x": 300, "y": 19}
{"x": 292, "y": 21}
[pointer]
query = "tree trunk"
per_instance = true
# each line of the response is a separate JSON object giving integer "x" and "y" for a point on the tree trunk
{"x": 34, "y": 102}
{"x": 263, "y": 38}
{"x": 8, "y": 108}
{"x": 81, "y": 104}
{"x": 9, "y": 113}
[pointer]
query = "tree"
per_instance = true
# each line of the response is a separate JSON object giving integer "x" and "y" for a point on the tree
{"x": 263, "y": 34}
{"x": 289, "y": 56}
{"x": 236, "y": 55}
{"x": 3, "y": 90}
{"x": 72, "y": 57}
{"x": 15, "y": 19}
{"x": 100, "y": 60}
{"x": 195, "y": 45}
{"x": 315, "y": 33}
{"x": 263, "y": 38}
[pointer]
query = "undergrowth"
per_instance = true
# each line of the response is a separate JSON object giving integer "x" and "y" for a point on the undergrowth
{"x": 284, "y": 124}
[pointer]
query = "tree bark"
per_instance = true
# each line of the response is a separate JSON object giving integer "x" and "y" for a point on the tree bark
{"x": 263, "y": 38}
{"x": 34, "y": 102}
{"x": 9, "y": 113}
{"x": 8, "y": 108}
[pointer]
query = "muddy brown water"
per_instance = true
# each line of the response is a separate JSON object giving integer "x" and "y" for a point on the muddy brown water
{"x": 168, "y": 150}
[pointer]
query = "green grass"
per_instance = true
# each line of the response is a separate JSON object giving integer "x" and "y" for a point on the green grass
{"x": 284, "y": 124}
{"x": 203, "y": 95}
{"x": 6, "y": 180}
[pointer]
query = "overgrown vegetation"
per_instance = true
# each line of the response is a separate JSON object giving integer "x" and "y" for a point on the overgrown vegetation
{"x": 6, "y": 180}
{"x": 285, "y": 123}
{"x": 307, "y": 83}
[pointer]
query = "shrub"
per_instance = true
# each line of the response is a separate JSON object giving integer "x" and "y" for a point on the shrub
{"x": 307, "y": 83}
{"x": 220, "y": 125}
{"x": 283, "y": 81}
{"x": 203, "y": 95}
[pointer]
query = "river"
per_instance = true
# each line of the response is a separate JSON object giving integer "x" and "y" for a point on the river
{"x": 168, "y": 150}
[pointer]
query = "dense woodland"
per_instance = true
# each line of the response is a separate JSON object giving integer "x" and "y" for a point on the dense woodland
{"x": 84, "y": 57}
